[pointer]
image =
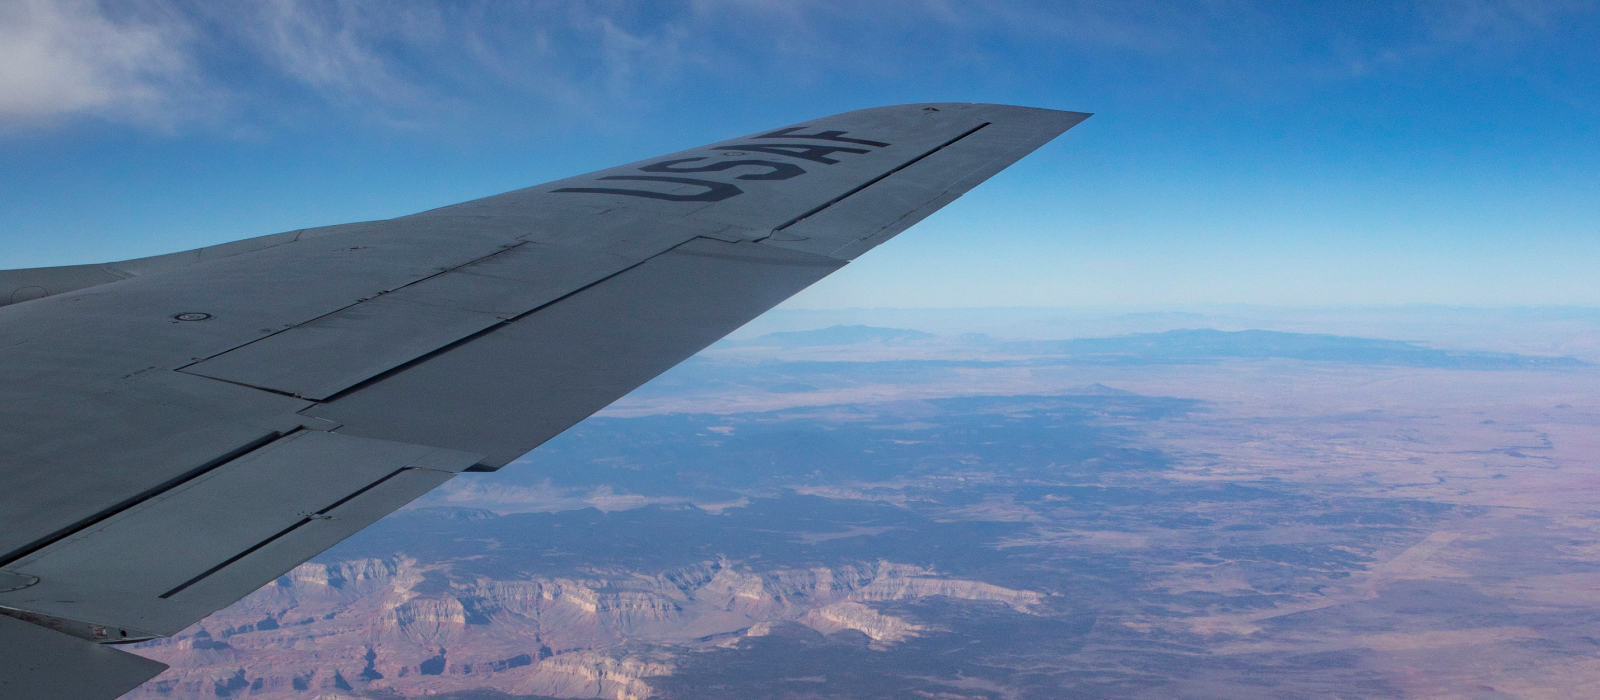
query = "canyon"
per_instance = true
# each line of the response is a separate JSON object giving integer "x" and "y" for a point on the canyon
{"x": 394, "y": 624}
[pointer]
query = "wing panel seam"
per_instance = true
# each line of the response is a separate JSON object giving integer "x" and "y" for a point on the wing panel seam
{"x": 341, "y": 309}
{"x": 157, "y": 490}
{"x": 309, "y": 517}
{"x": 878, "y": 179}
{"x": 483, "y": 332}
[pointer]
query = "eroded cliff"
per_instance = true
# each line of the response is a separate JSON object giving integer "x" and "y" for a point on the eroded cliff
{"x": 398, "y": 626}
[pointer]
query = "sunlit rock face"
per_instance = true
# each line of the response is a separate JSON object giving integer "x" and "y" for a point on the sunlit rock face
{"x": 394, "y": 625}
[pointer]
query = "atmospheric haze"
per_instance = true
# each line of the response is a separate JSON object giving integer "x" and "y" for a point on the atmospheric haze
{"x": 868, "y": 512}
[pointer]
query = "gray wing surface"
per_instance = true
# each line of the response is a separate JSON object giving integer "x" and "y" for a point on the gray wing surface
{"x": 181, "y": 430}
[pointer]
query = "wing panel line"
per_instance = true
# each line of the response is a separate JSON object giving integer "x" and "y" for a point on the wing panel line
{"x": 146, "y": 495}
{"x": 335, "y": 311}
{"x": 875, "y": 180}
{"x": 479, "y": 334}
{"x": 303, "y": 521}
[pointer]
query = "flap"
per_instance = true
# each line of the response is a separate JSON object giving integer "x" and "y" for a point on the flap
{"x": 320, "y": 358}
{"x": 68, "y": 460}
{"x": 170, "y": 561}
{"x": 40, "y": 663}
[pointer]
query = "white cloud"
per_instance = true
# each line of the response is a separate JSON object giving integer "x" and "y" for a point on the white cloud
{"x": 63, "y": 57}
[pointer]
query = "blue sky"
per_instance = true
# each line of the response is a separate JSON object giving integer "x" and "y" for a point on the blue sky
{"x": 1242, "y": 152}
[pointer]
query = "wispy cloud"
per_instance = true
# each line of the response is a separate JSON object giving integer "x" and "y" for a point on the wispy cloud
{"x": 165, "y": 63}
{"x": 338, "y": 48}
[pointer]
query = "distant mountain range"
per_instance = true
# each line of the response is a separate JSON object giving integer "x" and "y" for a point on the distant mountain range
{"x": 1188, "y": 346}
{"x": 832, "y": 335}
{"x": 1203, "y": 345}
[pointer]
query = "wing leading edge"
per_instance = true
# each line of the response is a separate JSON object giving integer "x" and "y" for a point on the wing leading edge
{"x": 333, "y": 375}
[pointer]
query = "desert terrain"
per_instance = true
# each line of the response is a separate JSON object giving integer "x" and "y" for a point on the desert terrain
{"x": 872, "y": 512}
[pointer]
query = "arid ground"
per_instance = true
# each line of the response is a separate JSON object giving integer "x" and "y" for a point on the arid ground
{"x": 886, "y": 513}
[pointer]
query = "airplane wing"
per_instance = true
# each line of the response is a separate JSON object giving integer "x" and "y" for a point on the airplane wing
{"x": 181, "y": 430}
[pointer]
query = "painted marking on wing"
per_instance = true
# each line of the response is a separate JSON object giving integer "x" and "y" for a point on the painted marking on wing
{"x": 879, "y": 178}
{"x": 717, "y": 191}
